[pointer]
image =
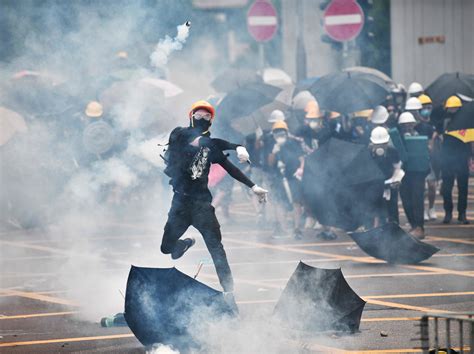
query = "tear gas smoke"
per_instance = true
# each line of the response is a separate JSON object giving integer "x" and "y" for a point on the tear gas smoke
{"x": 164, "y": 48}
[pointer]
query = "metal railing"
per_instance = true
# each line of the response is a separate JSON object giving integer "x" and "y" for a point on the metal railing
{"x": 452, "y": 342}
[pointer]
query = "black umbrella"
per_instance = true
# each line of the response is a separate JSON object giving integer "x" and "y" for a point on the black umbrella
{"x": 462, "y": 125}
{"x": 341, "y": 184}
{"x": 249, "y": 106}
{"x": 234, "y": 78}
{"x": 317, "y": 299}
{"x": 347, "y": 92}
{"x": 392, "y": 244}
{"x": 167, "y": 306}
{"x": 450, "y": 84}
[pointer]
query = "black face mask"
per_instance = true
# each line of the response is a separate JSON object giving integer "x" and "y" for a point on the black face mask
{"x": 201, "y": 124}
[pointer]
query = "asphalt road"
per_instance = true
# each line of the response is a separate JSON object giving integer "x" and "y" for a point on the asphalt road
{"x": 56, "y": 284}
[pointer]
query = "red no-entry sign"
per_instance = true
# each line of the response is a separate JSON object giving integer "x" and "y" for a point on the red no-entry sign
{"x": 262, "y": 21}
{"x": 343, "y": 20}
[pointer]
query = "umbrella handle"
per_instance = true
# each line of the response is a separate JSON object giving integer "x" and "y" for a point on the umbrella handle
{"x": 199, "y": 269}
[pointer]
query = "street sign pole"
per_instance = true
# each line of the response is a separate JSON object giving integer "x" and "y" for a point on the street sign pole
{"x": 261, "y": 55}
{"x": 262, "y": 24}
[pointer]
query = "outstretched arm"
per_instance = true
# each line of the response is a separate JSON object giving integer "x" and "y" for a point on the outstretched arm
{"x": 236, "y": 173}
{"x": 239, "y": 176}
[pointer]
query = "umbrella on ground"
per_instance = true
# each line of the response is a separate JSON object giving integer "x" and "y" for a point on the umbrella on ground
{"x": 347, "y": 92}
{"x": 371, "y": 71}
{"x": 317, "y": 299}
{"x": 462, "y": 125}
{"x": 11, "y": 123}
{"x": 167, "y": 306}
{"x": 249, "y": 106}
{"x": 450, "y": 84}
{"x": 392, "y": 244}
{"x": 341, "y": 184}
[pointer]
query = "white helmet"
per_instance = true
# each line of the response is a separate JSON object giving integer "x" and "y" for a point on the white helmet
{"x": 413, "y": 104}
{"x": 379, "y": 115}
{"x": 415, "y": 88}
{"x": 379, "y": 135}
{"x": 276, "y": 116}
{"x": 406, "y": 117}
{"x": 301, "y": 100}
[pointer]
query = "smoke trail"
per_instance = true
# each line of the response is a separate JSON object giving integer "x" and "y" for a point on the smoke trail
{"x": 164, "y": 48}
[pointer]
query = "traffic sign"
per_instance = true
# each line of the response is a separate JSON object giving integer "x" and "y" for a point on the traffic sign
{"x": 262, "y": 20}
{"x": 343, "y": 20}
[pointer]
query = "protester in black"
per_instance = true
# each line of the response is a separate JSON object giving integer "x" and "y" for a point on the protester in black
{"x": 388, "y": 160}
{"x": 287, "y": 160}
{"x": 190, "y": 153}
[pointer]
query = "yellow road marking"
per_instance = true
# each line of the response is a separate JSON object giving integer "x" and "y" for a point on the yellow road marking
{"x": 343, "y": 258}
{"x": 450, "y": 239}
{"x": 66, "y": 340}
{"x": 388, "y": 319}
{"x": 36, "y": 296}
{"x": 405, "y": 296}
{"x": 47, "y": 314}
{"x": 403, "y": 306}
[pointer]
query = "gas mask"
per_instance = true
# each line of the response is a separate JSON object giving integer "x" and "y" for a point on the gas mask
{"x": 280, "y": 140}
{"x": 201, "y": 124}
{"x": 379, "y": 150}
{"x": 425, "y": 114}
{"x": 315, "y": 125}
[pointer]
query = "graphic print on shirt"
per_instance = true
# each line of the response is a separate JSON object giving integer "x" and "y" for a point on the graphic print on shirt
{"x": 199, "y": 163}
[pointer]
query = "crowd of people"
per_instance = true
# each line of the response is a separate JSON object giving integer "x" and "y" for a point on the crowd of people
{"x": 410, "y": 147}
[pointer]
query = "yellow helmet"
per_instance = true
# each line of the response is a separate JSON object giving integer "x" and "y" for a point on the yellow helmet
{"x": 365, "y": 113}
{"x": 312, "y": 110}
{"x": 334, "y": 115}
{"x": 280, "y": 125}
{"x": 94, "y": 109}
{"x": 453, "y": 102}
{"x": 425, "y": 99}
{"x": 202, "y": 105}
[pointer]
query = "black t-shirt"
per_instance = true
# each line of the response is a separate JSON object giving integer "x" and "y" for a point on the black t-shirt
{"x": 425, "y": 129}
{"x": 188, "y": 166}
{"x": 289, "y": 154}
{"x": 387, "y": 161}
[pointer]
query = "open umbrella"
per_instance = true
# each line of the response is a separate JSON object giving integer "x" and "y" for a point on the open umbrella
{"x": 341, "y": 184}
{"x": 249, "y": 106}
{"x": 233, "y": 78}
{"x": 450, "y": 84}
{"x": 167, "y": 306}
{"x": 462, "y": 125}
{"x": 371, "y": 71}
{"x": 317, "y": 299}
{"x": 392, "y": 244}
{"x": 347, "y": 92}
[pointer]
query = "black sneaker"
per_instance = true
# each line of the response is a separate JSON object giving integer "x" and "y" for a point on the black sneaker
{"x": 447, "y": 218}
{"x": 181, "y": 249}
{"x": 463, "y": 219}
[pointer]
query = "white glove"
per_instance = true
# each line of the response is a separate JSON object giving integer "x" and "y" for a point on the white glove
{"x": 299, "y": 174}
{"x": 258, "y": 133}
{"x": 260, "y": 193}
{"x": 242, "y": 154}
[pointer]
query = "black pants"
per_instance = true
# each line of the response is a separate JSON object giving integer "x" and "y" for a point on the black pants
{"x": 462, "y": 178}
{"x": 412, "y": 192}
{"x": 186, "y": 211}
{"x": 392, "y": 206}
